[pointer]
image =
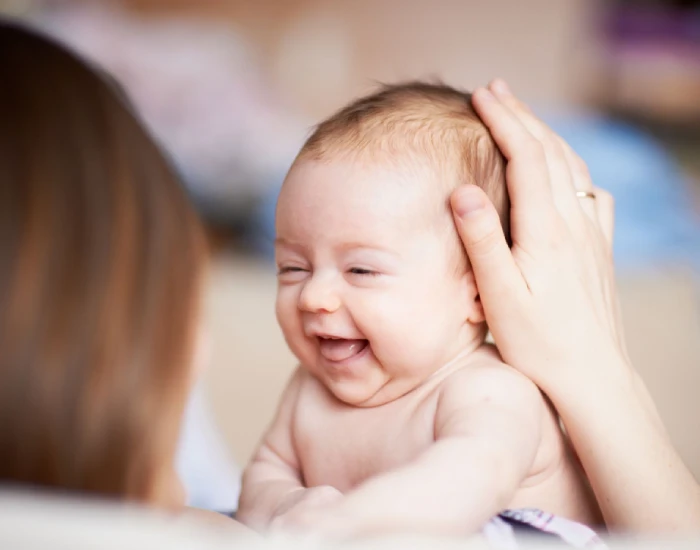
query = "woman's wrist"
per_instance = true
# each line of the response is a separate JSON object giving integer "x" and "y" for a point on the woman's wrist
{"x": 583, "y": 377}
{"x": 625, "y": 450}
{"x": 598, "y": 383}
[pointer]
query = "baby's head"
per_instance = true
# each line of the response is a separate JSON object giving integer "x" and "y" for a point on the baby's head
{"x": 375, "y": 292}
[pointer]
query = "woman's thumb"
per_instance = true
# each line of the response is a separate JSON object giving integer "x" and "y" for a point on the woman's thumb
{"x": 480, "y": 229}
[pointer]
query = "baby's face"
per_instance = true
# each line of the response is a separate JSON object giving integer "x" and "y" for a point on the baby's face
{"x": 369, "y": 299}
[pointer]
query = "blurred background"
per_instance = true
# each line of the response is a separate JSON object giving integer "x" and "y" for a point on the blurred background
{"x": 232, "y": 87}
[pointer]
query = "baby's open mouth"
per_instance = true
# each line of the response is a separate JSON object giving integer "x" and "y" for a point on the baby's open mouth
{"x": 340, "y": 349}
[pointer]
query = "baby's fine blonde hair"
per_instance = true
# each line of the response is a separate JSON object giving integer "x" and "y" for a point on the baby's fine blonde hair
{"x": 417, "y": 121}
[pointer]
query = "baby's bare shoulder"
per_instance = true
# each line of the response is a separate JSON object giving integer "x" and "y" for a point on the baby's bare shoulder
{"x": 488, "y": 402}
{"x": 486, "y": 379}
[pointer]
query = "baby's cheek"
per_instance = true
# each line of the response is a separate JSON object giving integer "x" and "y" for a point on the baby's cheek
{"x": 396, "y": 331}
{"x": 289, "y": 320}
{"x": 285, "y": 305}
{"x": 424, "y": 325}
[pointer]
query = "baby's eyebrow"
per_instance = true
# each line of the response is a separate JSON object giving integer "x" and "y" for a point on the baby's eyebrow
{"x": 341, "y": 247}
{"x": 345, "y": 247}
{"x": 292, "y": 246}
{"x": 281, "y": 241}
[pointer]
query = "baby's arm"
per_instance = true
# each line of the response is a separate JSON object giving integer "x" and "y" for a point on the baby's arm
{"x": 487, "y": 430}
{"x": 272, "y": 477}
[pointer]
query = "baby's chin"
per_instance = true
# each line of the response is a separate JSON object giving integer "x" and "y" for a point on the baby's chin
{"x": 366, "y": 393}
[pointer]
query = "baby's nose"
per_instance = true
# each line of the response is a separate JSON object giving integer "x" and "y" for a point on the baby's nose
{"x": 319, "y": 295}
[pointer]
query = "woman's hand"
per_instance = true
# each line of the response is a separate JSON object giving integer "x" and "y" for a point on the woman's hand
{"x": 552, "y": 308}
{"x": 550, "y": 302}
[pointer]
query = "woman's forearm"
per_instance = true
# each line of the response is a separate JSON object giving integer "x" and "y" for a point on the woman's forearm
{"x": 640, "y": 481}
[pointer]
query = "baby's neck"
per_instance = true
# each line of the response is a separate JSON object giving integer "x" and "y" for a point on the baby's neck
{"x": 458, "y": 359}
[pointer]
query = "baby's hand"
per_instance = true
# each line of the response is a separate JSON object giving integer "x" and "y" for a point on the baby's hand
{"x": 300, "y": 507}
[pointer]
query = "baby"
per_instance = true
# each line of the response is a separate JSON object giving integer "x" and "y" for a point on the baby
{"x": 400, "y": 416}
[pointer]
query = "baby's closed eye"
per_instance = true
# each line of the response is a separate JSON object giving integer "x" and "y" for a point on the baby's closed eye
{"x": 290, "y": 269}
{"x": 363, "y": 271}
{"x": 291, "y": 273}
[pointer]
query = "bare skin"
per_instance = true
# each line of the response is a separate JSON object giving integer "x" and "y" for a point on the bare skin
{"x": 400, "y": 418}
{"x": 422, "y": 462}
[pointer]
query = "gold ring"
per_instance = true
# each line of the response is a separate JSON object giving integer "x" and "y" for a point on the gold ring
{"x": 585, "y": 195}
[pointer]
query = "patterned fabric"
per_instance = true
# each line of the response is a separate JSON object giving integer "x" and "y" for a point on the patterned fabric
{"x": 512, "y": 527}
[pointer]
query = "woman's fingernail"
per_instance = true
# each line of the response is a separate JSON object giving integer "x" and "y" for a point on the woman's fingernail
{"x": 467, "y": 203}
{"x": 500, "y": 87}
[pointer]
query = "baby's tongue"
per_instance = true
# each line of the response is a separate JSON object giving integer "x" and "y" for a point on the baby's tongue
{"x": 339, "y": 350}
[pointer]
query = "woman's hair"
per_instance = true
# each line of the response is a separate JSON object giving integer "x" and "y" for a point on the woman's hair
{"x": 101, "y": 262}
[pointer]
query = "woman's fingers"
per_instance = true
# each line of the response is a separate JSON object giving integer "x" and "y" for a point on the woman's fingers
{"x": 494, "y": 268}
{"x": 605, "y": 210}
{"x": 564, "y": 166}
{"x": 527, "y": 171}
{"x": 500, "y": 89}
{"x": 582, "y": 181}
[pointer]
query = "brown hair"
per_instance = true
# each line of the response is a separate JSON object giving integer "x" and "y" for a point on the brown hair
{"x": 101, "y": 259}
{"x": 431, "y": 120}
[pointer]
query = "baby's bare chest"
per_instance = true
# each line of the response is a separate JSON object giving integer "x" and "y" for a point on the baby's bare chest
{"x": 343, "y": 446}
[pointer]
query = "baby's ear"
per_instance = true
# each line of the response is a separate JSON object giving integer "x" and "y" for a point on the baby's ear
{"x": 475, "y": 310}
